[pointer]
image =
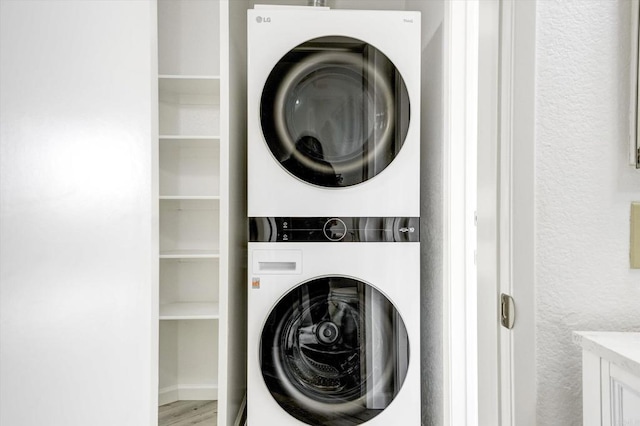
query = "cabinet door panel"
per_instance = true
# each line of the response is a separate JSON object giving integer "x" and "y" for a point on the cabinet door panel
{"x": 625, "y": 397}
{"x": 76, "y": 273}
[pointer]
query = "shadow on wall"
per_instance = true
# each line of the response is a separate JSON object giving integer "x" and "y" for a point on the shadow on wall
{"x": 431, "y": 227}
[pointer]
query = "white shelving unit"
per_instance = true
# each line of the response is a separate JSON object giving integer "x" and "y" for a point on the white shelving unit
{"x": 202, "y": 224}
{"x": 189, "y": 198}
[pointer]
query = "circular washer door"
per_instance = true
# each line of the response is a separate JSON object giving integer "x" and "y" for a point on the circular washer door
{"x": 334, "y": 351}
{"x": 334, "y": 112}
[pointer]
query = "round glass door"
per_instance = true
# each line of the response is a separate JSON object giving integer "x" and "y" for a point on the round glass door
{"x": 334, "y": 351}
{"x": 335, "y": 112}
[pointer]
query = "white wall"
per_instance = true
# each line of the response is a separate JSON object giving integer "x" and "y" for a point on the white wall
{"x": 584, "y": 189}
{"x": 77, "y": 249}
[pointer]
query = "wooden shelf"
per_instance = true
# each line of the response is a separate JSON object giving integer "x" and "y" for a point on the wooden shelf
{"x": 190, "y": 311}
{"x": 190, "y": 254}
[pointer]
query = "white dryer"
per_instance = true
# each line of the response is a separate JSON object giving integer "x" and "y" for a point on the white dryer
{"x": 334, "y": 327}
{"x": 333, "y": 112}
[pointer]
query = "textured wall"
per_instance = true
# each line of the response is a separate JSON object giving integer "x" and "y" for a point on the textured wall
{"x": 584, "y": 189}
{"x": 431, "y": 211}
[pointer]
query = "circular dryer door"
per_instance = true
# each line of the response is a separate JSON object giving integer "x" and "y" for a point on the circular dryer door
{"x": 334, "y": 351}
{"x": 334, "y": 112}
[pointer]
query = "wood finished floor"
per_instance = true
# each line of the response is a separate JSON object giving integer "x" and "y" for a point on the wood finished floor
{"x": 188, "y": 413}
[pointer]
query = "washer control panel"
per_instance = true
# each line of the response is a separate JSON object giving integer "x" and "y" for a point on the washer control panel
{"x": 334, "y": 229}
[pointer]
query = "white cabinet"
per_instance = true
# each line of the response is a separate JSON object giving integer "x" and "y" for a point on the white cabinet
{"x": 624, "y": 397}
{"x": 77, "y": 260}
{"x": 610, "y": 378}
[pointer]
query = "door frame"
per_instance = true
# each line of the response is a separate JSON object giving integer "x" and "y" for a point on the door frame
{"x": 517, "y": 209}
{"x": 459, "y": 209}
{"x": 506, "y": 212}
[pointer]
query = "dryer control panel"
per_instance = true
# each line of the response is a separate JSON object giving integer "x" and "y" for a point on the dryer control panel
{"x": 334, "y": 229}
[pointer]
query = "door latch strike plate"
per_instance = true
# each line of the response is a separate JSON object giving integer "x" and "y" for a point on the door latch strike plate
{"x": 507, "y": 311}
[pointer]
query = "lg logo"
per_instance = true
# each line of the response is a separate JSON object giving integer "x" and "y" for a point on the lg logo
{"x": 260, "y": 20}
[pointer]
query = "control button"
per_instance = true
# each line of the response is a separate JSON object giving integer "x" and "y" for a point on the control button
{"x": 285, "y": 236}
{"x": 335, "y": 229}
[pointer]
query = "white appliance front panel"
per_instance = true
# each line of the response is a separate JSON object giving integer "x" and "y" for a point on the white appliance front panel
{"x": 392, "y": 268}
{"x": 272, "y": 191}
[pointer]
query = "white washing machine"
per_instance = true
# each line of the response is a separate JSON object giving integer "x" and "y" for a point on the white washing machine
{"x": 334, "y": 322}
{"x": 333, "y": 112}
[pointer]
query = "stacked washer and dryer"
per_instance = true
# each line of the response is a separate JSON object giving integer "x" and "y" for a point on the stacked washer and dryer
{"x": 333, "y": 206}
